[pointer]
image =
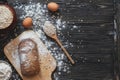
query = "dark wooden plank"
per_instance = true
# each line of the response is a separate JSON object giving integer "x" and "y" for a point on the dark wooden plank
{"x": 93, "y": 45}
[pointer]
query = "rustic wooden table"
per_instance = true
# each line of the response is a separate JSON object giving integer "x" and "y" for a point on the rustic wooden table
{"x": 94, "y": 40}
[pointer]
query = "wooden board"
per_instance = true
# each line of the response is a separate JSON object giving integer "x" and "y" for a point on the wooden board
{"x": 47, "y": 62}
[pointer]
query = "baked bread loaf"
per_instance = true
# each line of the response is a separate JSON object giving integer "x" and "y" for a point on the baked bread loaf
{"x": 28, "y": 54}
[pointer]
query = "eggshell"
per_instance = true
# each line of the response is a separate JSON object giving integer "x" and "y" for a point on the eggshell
{"x": 27, "y": 22}
{"x": 52, "y": 6}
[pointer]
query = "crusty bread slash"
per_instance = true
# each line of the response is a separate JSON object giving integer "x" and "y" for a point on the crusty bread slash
{"x": 28, "y": 54}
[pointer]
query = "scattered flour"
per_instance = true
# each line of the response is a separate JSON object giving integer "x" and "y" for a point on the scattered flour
{"x": 40, "y": 14}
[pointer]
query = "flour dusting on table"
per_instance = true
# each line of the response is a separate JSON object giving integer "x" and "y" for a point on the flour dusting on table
{"x": 39, "y": 13}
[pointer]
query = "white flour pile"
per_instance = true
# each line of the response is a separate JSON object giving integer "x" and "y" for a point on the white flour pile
{"x": 39, "y": 14}
{"x": 5, "y": 71}
{"x": 6, "y": 18}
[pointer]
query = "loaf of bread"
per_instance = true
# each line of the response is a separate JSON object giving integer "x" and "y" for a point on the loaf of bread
{"x": 28, "y": 54}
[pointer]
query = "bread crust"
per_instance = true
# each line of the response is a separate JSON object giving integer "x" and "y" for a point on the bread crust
{"x": 29, "y": 60}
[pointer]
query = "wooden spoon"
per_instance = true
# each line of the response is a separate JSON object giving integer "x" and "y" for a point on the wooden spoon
{"x": 50, "y": 31}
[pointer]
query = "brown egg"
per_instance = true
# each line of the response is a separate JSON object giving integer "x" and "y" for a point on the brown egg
{"x": 27, "y": 22}
{"x": 52, "y": 6}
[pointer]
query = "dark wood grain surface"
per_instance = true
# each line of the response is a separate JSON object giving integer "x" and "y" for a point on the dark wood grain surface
{"x": 117, "y": 18}
{"x": 94, "y": 40}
